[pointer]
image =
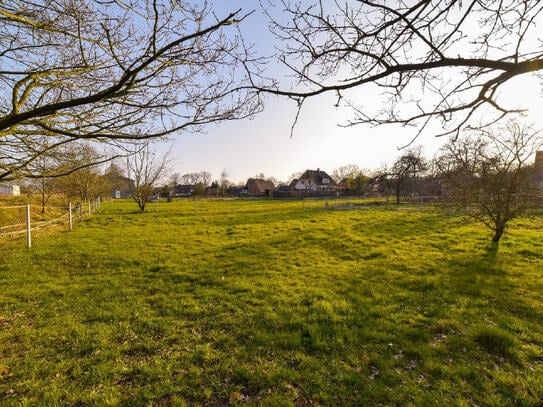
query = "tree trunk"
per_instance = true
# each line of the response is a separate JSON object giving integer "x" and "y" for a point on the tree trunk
{"x": 498, "y": 232}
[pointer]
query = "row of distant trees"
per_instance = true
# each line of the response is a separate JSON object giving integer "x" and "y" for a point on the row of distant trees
{"x": 78, "y": 171}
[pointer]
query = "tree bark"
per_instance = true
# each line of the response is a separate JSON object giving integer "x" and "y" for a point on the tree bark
{"x": 498, "y": 232}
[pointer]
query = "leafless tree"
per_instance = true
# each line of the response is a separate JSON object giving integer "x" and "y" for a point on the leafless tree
{"x": 100, "y": 70}
{"x": 46, "y": 186}
{"x": 47, "y": 165}
{"x": 144, "y": 168}
{"x": 224, "y": 183}
{"x": 206, "y": 178}
{"x": 194, "y": 178}
{"x": 263, "y": 176}
{"x": 295, "y": 176}
{"x": 488, "y": 176}
{"x": 346, "y": 171}
{"x": 381, "y": 181}
{"x": 174, "y": 179}
{"x": 87, "y": 181}
{"x": 406, "y": 169}
{"x": 443, "y": 60}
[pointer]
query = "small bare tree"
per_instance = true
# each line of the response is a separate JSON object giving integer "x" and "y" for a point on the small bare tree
{"x": 46, "y": 184}
{"x": 488, "y": 177}
{"x": 406, "y": 169}
{"x": 144, "y": 168}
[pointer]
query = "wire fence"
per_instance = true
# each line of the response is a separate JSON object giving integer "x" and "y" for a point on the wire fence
{"x": 28, "y": 220}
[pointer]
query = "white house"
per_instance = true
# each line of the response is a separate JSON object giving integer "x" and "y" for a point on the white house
{"x": 318, "y": 180}
{"x": 10, "y": 190}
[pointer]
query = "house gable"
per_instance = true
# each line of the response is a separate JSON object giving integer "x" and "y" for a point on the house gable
{"x": 256, "y": 186}
{"x": 315, "y": 180}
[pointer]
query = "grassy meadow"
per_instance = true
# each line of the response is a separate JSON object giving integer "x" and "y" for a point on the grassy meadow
{"x": 273, "y": 303}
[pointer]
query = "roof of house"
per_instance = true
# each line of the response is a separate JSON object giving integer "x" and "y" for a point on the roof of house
{"x": 260, "y": 185}
{"x": 184, "y": 188}
{"x": 317, "y": 176}
{"x": 284, "y": 188}
{"x": 344, "y": 182}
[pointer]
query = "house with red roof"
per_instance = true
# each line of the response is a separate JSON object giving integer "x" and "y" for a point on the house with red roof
{"x": 259, "y": 187}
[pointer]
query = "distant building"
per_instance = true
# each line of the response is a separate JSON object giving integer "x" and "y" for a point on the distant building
{"x": 283, "y": 189}
{"x": 259, "y": 187}
{"x": 10, "y": 189}
{"x": 236, "y": 191}
{"x": 183, "y": 190}
{"x": 120, "y": 186}
{"x": 345, "y": 183}
{"x": 315, "y": 181}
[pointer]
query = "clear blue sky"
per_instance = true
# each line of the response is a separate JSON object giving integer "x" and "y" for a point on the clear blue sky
{"x": 263, "y": 145}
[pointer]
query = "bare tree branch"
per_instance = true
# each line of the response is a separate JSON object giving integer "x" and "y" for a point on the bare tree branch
{"x": 113, "y": 71}
{"x": 441, "y": 61}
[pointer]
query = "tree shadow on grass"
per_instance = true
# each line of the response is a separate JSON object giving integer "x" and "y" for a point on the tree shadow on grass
{"x": 484, "y": 276}
{"x": 471, "y": 273}
{"x": 479, "y": 278}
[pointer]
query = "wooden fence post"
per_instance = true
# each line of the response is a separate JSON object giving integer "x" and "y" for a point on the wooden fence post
{"x": 28, "y": 228}
{"x": 70, "y": 223}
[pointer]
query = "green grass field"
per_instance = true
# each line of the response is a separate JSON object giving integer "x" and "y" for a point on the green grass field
{"x": 273, "y": 303}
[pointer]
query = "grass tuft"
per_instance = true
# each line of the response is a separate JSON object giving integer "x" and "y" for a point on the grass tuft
{"x": 495, "y": 341}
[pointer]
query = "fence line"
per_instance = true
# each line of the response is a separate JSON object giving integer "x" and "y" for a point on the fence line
{"x": 12, "y": 226}
{"x": 29, "y": 226}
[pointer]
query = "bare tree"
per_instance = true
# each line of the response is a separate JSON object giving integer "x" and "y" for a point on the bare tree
{"x": 224, "y": 183}
{"x": 263, "y": 176}
{"x": 45, "y": 185}
{"x": 174, "y": 179}
{"x": 86, "y": 181}
{"x": 194, "y": 178}
{"x": 406, "y": 169}
{"x": 431, "y": 59}
{"x": 295, "y": 175}
{"x": 206, "y": 178}
{"x": 144, "y": 168}
{"x": 98, "y": 70}
{"x": 488, "y": 176}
